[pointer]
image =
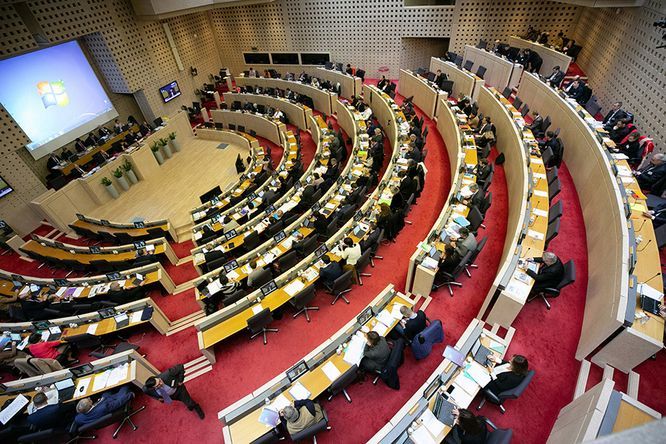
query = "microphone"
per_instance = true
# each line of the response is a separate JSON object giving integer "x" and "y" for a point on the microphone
{"x": 639, "y": 230}
{"x": 645, "y": 246}
{"x": 645, "y": 282}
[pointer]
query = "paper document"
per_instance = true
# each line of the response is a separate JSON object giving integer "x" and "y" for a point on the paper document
{"x": 540, "y": 193}
{"x": 135, "y": 316}
{"x": 257, "y": 309}
{"x": 478, "y": 373}
{"x": 294, "y": 287}
{"x": 78, "y": 292}
{"x": 380, "y": 329}
{"x": 280, "y": 402}
{"x": 299, "y": 392}
{"x": 331, "y": 371}
{"x": 395, "y": 311}
{"x": 540, "y": 213}
{"x": 535, "y": 234}
{"x": 434, "y": 425}
{"x": 466, "y": 383}
{"x": 650, "y": 292}
{"x": 82, "y": 387}
{"x": 92, "y": 328}
{"x": 60, "y": 291}
{"x": 118, "y": 374}
{"x": 13, "y": 408}
{"x": 100, "y": 379}
{"x": 501, "y": 369}
{"x": 385, "y": 318}
{"x": 496, "y": 346}
{"x": 310, "y": 274}
{"x": 214, "y": 287}
{"x": 354, "y": 351}
{"x": 233, "y": 275}
{"x": 517, "y": 289}
{"x": 422, "y": 435}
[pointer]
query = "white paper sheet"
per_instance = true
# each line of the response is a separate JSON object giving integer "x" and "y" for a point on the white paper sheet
{"x": 434, "y": 425}
{"x": 13, "y": 408}
{"x": 135, "y": 316}
{"x": 299, "y": 392}
{"x": 380, "y": 328}
{"x": 214, "y": 287}
{"x": 82, "y": 386}
{"x": 118, "y": 374}
{"x": 354, "y": 352}
{"x": 478, "y": 373}
{"x": 280, "y": 402}
{"x": 535, "y": 234}
{"x": 540, "y": 213}
{"x": 540, "y": 193}
{"x": 257, "y": 309}
{"x": 331, "y": 371}
{"x": 395, "y": 311}
{"x": 294, "y": 287}
{"x": 422, "y": 435}
{"x": 92, "y": 328}
{"x": 385, "y": 318}
{"x": 99, "y": 382}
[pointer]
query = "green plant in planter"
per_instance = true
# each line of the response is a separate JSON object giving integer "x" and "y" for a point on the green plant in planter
{"x": 163, "y": 142}
{"x": 154, "y": 147}
{"x": 118, "y": 173}
{"x": 106, "y": 181}
{"x": 127, "y": 166}
{"x": 172, "y": 135}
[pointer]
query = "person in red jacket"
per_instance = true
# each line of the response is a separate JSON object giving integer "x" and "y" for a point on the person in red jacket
{"x": 50, "y": 350}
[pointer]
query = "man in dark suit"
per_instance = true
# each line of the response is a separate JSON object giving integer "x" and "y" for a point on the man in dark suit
{"x": 615, "y": 114}
{"x": 440, "y": 78}
{"x": 652, "y": 172}
{"x": 412, "y": 323}
{"x": 118, "y": 295}
{"x": 117, "y": 127}
{"x": 103, "y": 132}
{"x": 53, "y": 162}
{"x": 550, "y": 272}
{"x": 537, "y": 123}
{"x": 91, "y": 140}
{"x": 330, "y": 271}
{"x": 556, "y": 77}
{"x": 407, "y": 185}
{"x": 89, "y": 411}
{"x": 168, "y": 386}
{"x": 47, "y": 416}
{"x": 79, "y": 145}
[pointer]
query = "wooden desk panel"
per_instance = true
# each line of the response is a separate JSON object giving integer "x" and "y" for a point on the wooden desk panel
{"x": 425, "y": 95}
{"x": 83, "y": 256}
{"x": 499, "y": 71}
{"x": 296, "y": 113}
{"x": 464, "y": 83}
{"x": 550, "y": 56}
{"x": 323, "y": 100}
{"x": 97, "y": 227}
{"x": 264, "y": 127}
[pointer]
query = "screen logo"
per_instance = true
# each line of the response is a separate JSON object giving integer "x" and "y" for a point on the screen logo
{"x": 53, "y": 93}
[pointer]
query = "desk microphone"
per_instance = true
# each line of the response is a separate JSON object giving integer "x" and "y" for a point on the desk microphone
{"x": 645, "y": 282}
{"x": 639, "y": 230}
{"x": 645, "y": 246}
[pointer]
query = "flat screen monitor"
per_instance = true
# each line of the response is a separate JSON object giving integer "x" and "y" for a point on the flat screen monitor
{"x": 5, "y": 189}
{"x": 170, "y": 91}
{"x": 285, "y": 58}
{"x": 209, "y": 195}
{"x": 54, "y": 96}
{"x": 257, "y": 58}
{"x": 315, "y": 58}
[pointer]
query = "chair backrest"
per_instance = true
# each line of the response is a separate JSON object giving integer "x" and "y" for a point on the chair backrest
{"x": 288, "y": 260}
{"x": 487, "y": 202}
{"x": 259, "y": 321}
{"x": 461, "y": 265}
{"x": 555, "y": 211}
{"x": 374, "y": 247}
{"x": 553, "y": 230}
{"x": 85, "y": 340}
{"x": 309, "y": 245}
{"x": 554, "y": 189}
{"x": 423, "y": 342}
{"x": 515, "y": 392}
{"x": 262, "y": 278}
{"x": 660, "y": 234}
{"x": 104, "y": 421}
{"x": 344, "y": 380}
{"x": 556, "y": 132}
{"x": 547, "y": 156}
{"x": 311, "y": 431}
{"x": 488, "y": 180}
{"x": 234, "y": 297}
{"x": 507, "y": 92}
{"x": 478, "y": 249}
{"x": 546, "y": 124}
{"x": 343, "y": 282}
{"x": 304, "y": 297}
{"x": 525, "y": 110}
{"x": 48, "y": 435}
{"x": 500, "y": 436}
{"x": 475, "y": 219}
{"x": 517, "y": 102}
{"x": 251, "y": 241}
{"x": 364, "y": 260}
{"x": 552, "y": 174}
{"x": 468, "y": 65}
{"x": 569, "y": 275}
{"x": 485, "y": 151}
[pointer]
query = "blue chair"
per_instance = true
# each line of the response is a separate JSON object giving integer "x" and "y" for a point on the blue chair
{"x": 423, "y": 342}
{"x": 514, "y": 393}
{"x": 497, "y": 435}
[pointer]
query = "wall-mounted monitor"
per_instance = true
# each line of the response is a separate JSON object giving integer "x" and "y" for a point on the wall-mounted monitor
{"x": 54, "y": 96}
{"x": 5, "y": 189}
{"x": 310, "y": 58}
{"x": 170, "y": 91}
{"x": 285, "y": 58}
{"x": 257, "y": 58}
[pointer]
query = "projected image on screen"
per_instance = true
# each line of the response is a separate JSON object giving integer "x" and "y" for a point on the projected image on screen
{"x": 5, "y": 189}
{"x": 54, "y": 96}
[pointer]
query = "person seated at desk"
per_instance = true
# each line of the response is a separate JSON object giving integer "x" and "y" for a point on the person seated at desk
{"x": 485, "y": 133}
{"x": 553, "y": 142}
{"x": 317, "y": 180}
{"x": 80, "y": 145}
{"x": 289, "y": 94}
{"x": 439, "y": 78}
{"x": 117, "y": 127}
{"x": 412, "y": 323}
{"x": 270, "y": 196}
{"x": 229, "y": 223}
{"x": 483, "y": 170}
{"x": 523, "y": 57}
{"x": 118, "y": 295}
{"x": 145, "y": 129}
{"x": 89, "y": 411}
{"x": 473, "y": 121}
{"x": 550, "y": 272}
{"x": 407, "y": 185}
{"x": 585, "y": 94}
{"x": 375, "y": 354}
{"x": 513, "y": 374}
{"x": 614, "y": 115}
{"x": 658, "y": 216}
{"x": 620, "y": 132}
{"x": 303, "y": 414}
{"x": 332, "y": 172}
{"x": 279, "y": 115}
{"x": 51, "y": 398}
{"x": 91, "y": 140}
{"x": 397, "y": 201}
{"x": 227, "y": 288}
{"x": 537, "y": 123}
{"x": 632, "y": 149}
{"x": 330, "y": 271}
{"x": 555, "y": 77}
{"x": 350, "y": 253}
{"x": 103, "y": 132}
{"x": 53, "y": 163}
{"x": 476, "y": 196}
{"x": 543, "y": 38}
{"x": 649, "y": 176}
{"x": 11, "y": 354}
{"x": 413, "y": 152}
{"x": 252, "y": 72}
{"x": 465, "y": 243}
{"x": 131, "y": 137}
{"x": 143, "y": 258}
{"x": 382, "y": 83}
{"x": 61, "y": 352}
{"x": 47, "y": 416}
{"x": 349, "y": 70}
{"x": 468, "y": 428}
{"x": 254, "y": 273}
{"x": 573, "y": 87}
{"x": 447, "y": 262}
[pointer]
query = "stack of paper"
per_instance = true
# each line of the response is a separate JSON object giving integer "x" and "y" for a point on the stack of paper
{"x": 92, "y": 328}
{"x": 354, "y": 351}
{"x": 280, "y": 402}
{"x": 331, "y": 371}
{"x": 118, "y": 374}
{"x": 214, "y": 287}
{"x": 477, "y": 373}
{"x": 299, "y": 392}
{"x": 13, "y": 408}
{"x": 430, "y": 263}
{"x": 434, "y": 425}
{"x": 310, "y": 274}
{"x": 422, "y": 435}
{"x": 294, "y": 287}
{"x": 385, "y": 318}
{"x": 100, "y": 380}
{"x": 395, "y": 311}
{"x": 380, "y": 329}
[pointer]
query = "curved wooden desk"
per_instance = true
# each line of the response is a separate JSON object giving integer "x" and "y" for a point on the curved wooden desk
{"x": 295, "y": 112}
{"x": 138, "y": 230}
{"x": 266, "y": 128}
{"x": 464, "y": 82}
{"x": 550, "y": 56}
{"x": 426, "y": 95}
{"x": 500, "y": 72}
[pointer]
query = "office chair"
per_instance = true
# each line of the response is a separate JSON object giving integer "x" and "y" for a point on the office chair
{"x": 102, "y": 266}
{"x": 302, "y": 299}
{"x": 552, "y": 174}
{"x": 270, "y": 437}
{"x": 361, "y": 264}
{"x": 485, "y": 185}
{"x": 481, "y": 71}
{"x": 289, "y": 260}
{"x": 486, "y": 204}
{"x": 568, "y": 279}
{"x": 45, "y": 436}
{"x": 87, "y": 340}
{"x": 514, "y": 393}
{"x": 123, "y": 414}
{"x": 660, "y": 234}
{"x": 344, "y": 216}
{"x": 257, "y": 324}
{"x": 312, "y": 431}
{"x": 234, "y": 297}
{"x": 121, "y": 347}
{"x": 546, "y": 124}
{"x": 555, "y": 211}
{"x": 554, "y": 189}
{"x": 593, "y": 107}
{"x": 475, "y": 219}
{"x": 422, "y": 344}
{"x": 156, "y": 232}
{"x": 108, "y": 237}
{"x": 389, "y": 374}
{"x": 341, "y": 286}
{"x": 407, "y": 207}
{"x": 507, "y": 92}
{"x": 553, "y": 231}
{"x": 475, "y": 253}
{"x": 73, "y": 266}
{"x": 374, "y": 247}
{"x": 547, "y": 156}
{"x": 340, "y": 385}
{"x": 517, "y": 103}
{"x": 525, "y": 110}
{"x": 309, "y": 245}
{"x": 274, "y": 229}
{"x": 468, "y": 65}
{"x": 262, "y": 278}
{"x": 484, "y": 151}
{"x": 497, "y": 435}
{"x": 251, "y": 241}
{"x": 450, "y": 278}
{"x": 331, "y": 229}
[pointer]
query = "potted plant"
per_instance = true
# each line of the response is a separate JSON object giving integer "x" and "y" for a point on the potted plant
{"x": 175, "y": 144}
{"x": 109, "y": 187}
{"x": 164, "y": 143}
{"x": 118, "y": 174}
{"x": 127, "y": 166}
{"x": 155, "y": 148}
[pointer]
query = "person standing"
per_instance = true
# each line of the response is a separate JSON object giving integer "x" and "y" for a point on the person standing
{"x": 169, "y": 386}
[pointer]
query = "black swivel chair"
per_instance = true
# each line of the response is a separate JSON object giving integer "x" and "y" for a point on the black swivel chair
{"x": 312, "y": 431}
{"x": 262, "y": 278}
{"x": 251, "y": 242}
{"x": 361, "y": 264}
{"x": 475, "y": 219}
{"x": 506, "y": 92}
{"x": 258, "y": 324}
{"x": 450, "y": 278}
{"x": 552, "y": 231}
{"x": 331, "y": 229}
{"x": 514, "y": 393}
{"x": 302, "y": 299}
{"x": 568, "y": 279}
{"x": 123, "y": 415}
{"x": 88, "y": 341}
{"x": 525, "y": 110}
{"x": 340, "y": 385}
{"x": 555, "y": 211}
{"x": 468, "y": 65}
{"x": 45, "y": 436}
{"x": 234, "y": 297}
{"x": 374, "y": 247}
{"x": 289, "y": 260}
{"x": 554, "y": 189}
{"x": 122, "y": 347}
{"x": 309, "y": 245}
{"x": 497, "y": 435}
{"x": 517, "y": 103}
{"x": 341, "y": 286}
{"x": 476, "y": 252}
{"x": 552, "y": 174}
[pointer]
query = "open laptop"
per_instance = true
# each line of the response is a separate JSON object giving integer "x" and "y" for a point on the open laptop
{"x": 650, "y": 305}
{"x": 454, "y": 356}
{"x": 481, "y": 353}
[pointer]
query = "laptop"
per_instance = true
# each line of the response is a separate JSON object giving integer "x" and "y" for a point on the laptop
{"x": 444, "y": 410}
{"x": 454, "y": 356}
{"x": 481, "y": 354}
{"x": 650, "y": 305}
{"x": 65, "y": 389}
